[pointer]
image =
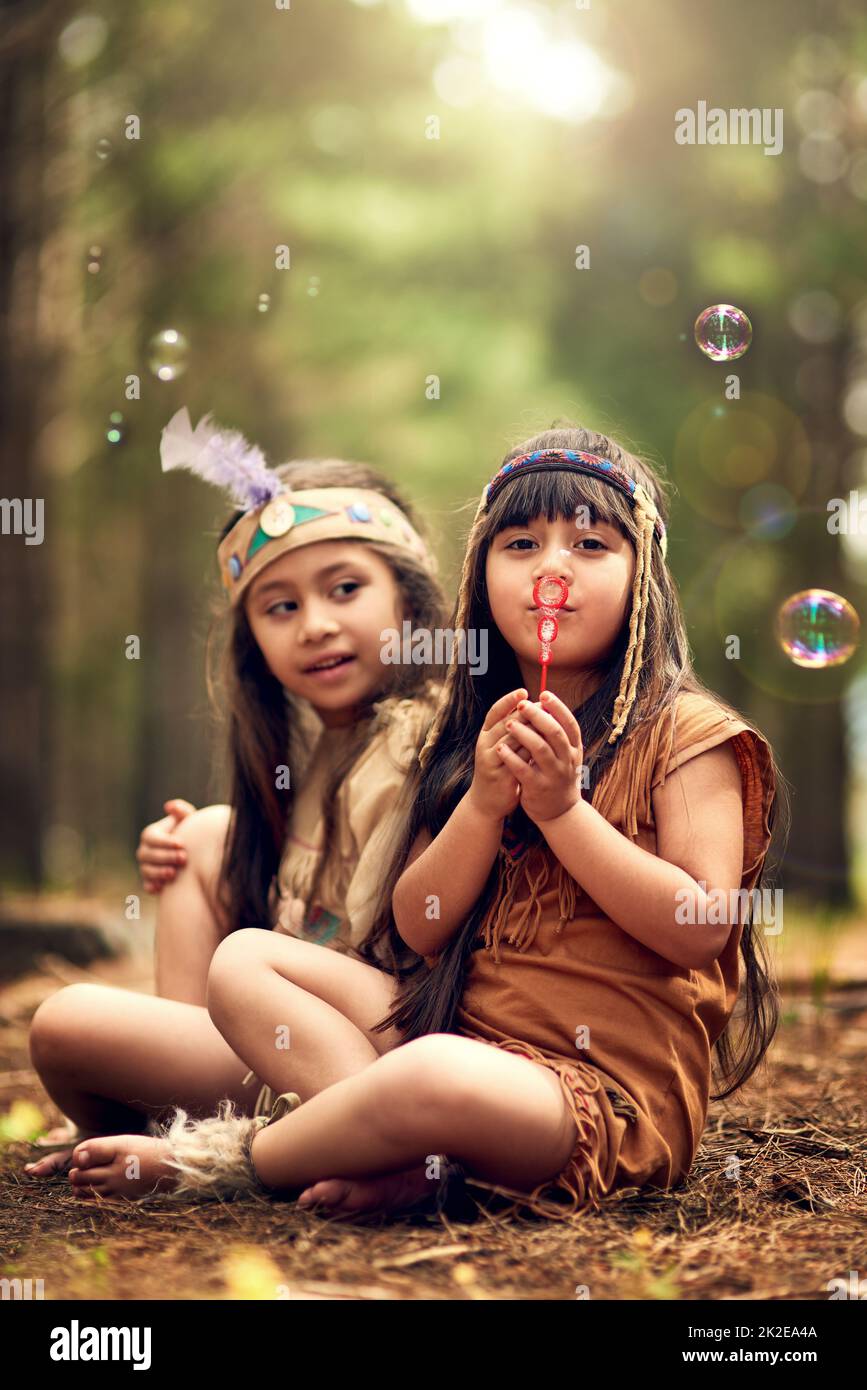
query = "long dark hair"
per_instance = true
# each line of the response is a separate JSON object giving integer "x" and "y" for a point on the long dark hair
{"x": 265, "y": 727}
{"x": 427, "y": 1000}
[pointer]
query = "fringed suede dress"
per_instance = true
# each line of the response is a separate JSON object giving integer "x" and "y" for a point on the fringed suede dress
{"x": 369, "y": 815}
{"x": 552, "y": 971}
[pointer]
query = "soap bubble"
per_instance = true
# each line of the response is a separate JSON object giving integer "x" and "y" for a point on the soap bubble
{"x": 116, "y": 432}
{"x": 817, "y": 628}
{"x": 167, "y": 354}
{"x": 723, "y": 332}
{"x": 727, "y": 586}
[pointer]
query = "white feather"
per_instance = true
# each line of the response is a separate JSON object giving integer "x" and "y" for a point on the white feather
{"x": 221, "y": 457}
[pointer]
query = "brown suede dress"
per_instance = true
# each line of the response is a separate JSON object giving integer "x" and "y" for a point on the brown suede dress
{"x": 551, "y": 963}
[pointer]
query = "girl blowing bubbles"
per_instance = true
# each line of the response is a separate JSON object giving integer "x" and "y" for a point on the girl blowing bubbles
{"x": 322, "y": 734}
{"x": 557, "y": 1037}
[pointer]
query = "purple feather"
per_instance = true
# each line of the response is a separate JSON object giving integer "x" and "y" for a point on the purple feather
{"x": 221, "y": 457}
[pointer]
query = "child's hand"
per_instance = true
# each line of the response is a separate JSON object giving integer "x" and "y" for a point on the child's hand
{"x": 550, "y": 736}
{"x": 159, "y": 854}
{"x": 494, "y": 791}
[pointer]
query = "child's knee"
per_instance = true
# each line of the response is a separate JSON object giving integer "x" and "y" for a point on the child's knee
{"x": 202, "y": 832}
{"x": 421, "y": 1088}
{"x": 203, "y": 836}
{"x": 234, "y": 957}
{"x": 57, "y": 1021}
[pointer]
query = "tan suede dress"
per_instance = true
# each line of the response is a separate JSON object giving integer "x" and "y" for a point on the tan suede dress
{"x": 368, "y": 819}
{"x": 551, "y": 964}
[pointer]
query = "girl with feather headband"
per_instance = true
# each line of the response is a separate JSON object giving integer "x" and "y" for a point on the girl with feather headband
{"x": 318, "y": 558}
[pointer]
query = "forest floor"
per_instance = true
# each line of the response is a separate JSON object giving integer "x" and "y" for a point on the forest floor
{"x": 773, "y": 1207}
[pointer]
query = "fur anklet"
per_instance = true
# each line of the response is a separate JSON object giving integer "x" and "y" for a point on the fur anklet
{"x": 212, "y": 1156}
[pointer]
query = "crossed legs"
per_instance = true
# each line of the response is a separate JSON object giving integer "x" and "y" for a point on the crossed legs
{"x": 112, "y": 1059}
{"x": 500, "y": 1115}
{"x": 301, "y": 1017}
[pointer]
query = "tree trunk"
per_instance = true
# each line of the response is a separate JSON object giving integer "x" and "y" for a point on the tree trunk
{"x": 28, "y": 49}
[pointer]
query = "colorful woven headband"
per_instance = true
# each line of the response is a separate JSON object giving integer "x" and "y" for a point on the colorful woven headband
{"x": 277, "y": 520}
{"x": 649, "y": 524}
{"x": 578, "y": 462}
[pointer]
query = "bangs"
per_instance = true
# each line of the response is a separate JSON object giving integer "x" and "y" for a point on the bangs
{"x": 556, "y": 493}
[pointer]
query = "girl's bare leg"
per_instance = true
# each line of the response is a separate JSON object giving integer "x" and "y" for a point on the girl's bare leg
{"x": 189, "y": 928}
{"x": 302, "y": 1015}
{"x": 502, "y": 1116}
{"x": 94, "y": 1052}
{"x": 308, "y": 1012}
{"x": 190, "y": 924}
{"x": 111, "y": 1059}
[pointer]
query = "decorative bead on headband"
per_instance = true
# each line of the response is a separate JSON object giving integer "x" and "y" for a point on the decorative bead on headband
{"x": 578, "y": 462}
{"x": 276, "y": 519}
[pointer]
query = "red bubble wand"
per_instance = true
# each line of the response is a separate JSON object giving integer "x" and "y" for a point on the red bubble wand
{"x": 549, "y": 595}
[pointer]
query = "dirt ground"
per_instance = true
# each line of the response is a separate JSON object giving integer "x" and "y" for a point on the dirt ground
{"x": 780, "y": 1223}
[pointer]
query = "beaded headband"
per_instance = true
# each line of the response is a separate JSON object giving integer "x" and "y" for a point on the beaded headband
{"x": 649, "y": 525}
{"x": 277, "y": 520}
{"x": 576, "y": 462}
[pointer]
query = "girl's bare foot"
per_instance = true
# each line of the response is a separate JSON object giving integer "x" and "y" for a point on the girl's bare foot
{"x": 49, "y": 1165}
{"x": 60, "y": 1134}
{"x": 121, "y": 1165}
{"x": 391, "y": 1192}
